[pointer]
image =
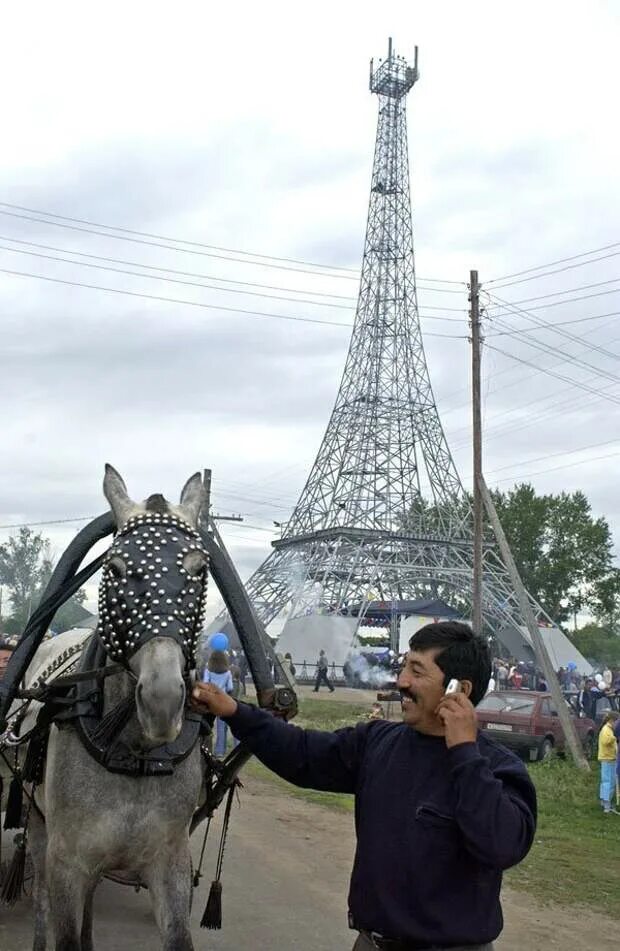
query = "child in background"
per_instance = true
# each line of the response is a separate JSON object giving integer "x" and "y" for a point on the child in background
{"x": 607, "y": 753}
{"x": 218, "y": 673}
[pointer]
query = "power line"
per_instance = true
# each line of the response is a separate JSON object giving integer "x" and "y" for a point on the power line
{"x": 552, "y": 326}
{"x": 171, "y": 280}
{"x": 567, "y": 267}
{"x": 554, "y": 455}
{"x": 568, "y": 300}
{"x": 54, "y": 521}
{"x": 519, "y": 311}
{"x": 559, "y": 376}
{"x": 570, "y": 465}
{"x": 151, "y": 267}
{"x": 569, "y": 290}
{"x": 194, "y": 247}
{"x": 540, "y": 267}
{"x": 188, "y": 303}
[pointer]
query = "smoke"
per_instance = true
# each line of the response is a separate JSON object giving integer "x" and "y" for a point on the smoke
{"x": 371, "y": 675}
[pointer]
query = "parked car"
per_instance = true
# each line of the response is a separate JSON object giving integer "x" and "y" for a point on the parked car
{"x": 525, "y": 720}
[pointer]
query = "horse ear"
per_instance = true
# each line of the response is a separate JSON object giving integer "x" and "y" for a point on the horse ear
{"x": 193, "y": 497}
{"x": 116, "y": 493}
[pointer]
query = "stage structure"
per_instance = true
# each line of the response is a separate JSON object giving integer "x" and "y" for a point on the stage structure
{"x": 383, "y": 515}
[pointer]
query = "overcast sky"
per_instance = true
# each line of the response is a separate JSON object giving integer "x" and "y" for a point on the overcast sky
{"x": 251, "y": 129}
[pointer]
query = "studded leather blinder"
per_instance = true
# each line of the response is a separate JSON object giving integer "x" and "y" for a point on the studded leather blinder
{"x": 154, "y": 584}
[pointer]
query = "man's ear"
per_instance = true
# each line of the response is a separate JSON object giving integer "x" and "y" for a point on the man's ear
{"x": 466, "y": 688}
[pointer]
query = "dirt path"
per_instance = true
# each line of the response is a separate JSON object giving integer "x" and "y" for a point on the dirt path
{"x": 285, "y": 884}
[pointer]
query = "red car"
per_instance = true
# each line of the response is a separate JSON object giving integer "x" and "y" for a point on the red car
{"x": 526, "y": 720}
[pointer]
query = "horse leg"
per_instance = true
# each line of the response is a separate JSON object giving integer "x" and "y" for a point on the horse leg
{"x": 68, "y": 887}
{"x": 37, "y": 844}
{"x": 170, "y": 886}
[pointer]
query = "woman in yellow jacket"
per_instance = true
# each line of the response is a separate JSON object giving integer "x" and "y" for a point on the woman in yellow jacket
{"x": 607, "y": 752}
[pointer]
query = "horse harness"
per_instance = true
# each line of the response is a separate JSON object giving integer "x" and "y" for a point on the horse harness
{"x": 154, "y": 580}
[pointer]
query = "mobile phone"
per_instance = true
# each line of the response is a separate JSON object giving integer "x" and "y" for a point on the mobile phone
{"x": 454, "y": 686}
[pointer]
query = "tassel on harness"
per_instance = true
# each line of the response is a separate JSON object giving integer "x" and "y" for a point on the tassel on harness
{"x": 113, "y": 722}
{"x": 212, "y": 916}
{"x": 13, "y": 880}
{"x": 15, "y": 802}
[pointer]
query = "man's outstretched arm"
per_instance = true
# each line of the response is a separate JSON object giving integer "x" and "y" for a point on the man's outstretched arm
{"x": 311, "y": 758}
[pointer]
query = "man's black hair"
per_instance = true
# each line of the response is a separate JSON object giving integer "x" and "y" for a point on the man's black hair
{"x": 462, "y": 654}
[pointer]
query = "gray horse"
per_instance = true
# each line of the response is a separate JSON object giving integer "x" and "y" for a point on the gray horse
{"x": 98, "y": 822}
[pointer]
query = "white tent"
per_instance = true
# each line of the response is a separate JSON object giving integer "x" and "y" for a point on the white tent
{"x": 561, "y": 651}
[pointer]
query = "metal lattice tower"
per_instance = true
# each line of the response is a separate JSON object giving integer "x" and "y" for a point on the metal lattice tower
{"x": 383, "y": 513}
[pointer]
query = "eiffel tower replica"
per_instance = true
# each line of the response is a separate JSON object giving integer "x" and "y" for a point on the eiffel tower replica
{"x": 383, "y": 513}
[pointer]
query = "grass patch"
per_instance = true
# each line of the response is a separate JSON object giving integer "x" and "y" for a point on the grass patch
{"x": 576, "y": 853}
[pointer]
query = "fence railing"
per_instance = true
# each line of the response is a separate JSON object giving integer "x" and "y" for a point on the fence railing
{"x": 305, "y": 673}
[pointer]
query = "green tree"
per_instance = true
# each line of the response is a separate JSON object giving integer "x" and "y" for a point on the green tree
{"x": 25, "y": 569}
{"x": 563, "y": 553}
{"x": 598, "y": 643}
{"x": 22, "y": 567}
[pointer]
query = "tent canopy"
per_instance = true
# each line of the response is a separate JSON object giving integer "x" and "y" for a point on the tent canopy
{"x": 433, "y": 607}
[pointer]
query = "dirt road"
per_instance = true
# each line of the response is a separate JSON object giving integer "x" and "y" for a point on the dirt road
{"x": 285, "y": 883}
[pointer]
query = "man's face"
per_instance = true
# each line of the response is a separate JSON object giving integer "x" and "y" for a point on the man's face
{"x": 421, "y": 685}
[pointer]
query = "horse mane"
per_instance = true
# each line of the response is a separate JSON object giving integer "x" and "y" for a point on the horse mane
{"x": 157, "y": 503}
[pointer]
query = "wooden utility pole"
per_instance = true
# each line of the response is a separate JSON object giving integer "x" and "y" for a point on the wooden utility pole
{"x": 542, "y": 657}
{"x": 474, "y": 318}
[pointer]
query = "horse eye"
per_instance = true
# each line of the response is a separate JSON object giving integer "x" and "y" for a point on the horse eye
{"x": 194, "y": 562}
{"x": 118, "y": 566}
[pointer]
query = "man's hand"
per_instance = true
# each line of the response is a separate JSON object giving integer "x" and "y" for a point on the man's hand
{"x": 207, "y": 698}
{"x": 458, "y": 715}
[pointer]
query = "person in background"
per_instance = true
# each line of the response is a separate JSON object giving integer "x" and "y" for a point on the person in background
{"x": 502, "y": 676}
{"x": 491, "y": 684}
{"x": 290, "y": 667}
{"x": 441, "y": 809}
{"x": 616, "y": 729}
{"x": 607, "y": 757}
{"x": 218, "y": 673}
{"x": 322, "y": 665}
{"x": 585, "y": 699}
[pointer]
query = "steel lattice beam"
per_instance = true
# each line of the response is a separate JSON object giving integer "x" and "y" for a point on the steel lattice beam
{"x": 383, "y": 510}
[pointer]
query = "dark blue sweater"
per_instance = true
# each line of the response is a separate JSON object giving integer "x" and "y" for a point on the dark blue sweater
{"x": 435, "y": 826}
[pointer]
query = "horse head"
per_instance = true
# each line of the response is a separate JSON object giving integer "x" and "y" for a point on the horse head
{"x": 152, "y": 599}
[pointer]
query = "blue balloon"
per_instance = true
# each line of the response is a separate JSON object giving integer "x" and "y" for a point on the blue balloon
{"x": 218, "y": 642}
{"x": 572, "y": 665}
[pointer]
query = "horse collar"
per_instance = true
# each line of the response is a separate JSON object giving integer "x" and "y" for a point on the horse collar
{"x": 153, "y": 584}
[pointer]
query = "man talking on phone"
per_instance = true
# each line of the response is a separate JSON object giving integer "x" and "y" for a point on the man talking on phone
{"x": 440, "y": 809}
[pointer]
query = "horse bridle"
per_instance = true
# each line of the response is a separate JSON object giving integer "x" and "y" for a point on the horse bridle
{"x": 153, "y": 584}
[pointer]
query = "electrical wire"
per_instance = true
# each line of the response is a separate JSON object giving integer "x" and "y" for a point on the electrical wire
{"x": 569, "y": 290}
{"x": 559, "y": 376}
{"x": 197, "y": 249}
{"x": 569, "y": 465}
{"x": 158, "y": 277}
{"x": 539, "y": 267}
{"x": 188, "y": 303}
{"x": 521, "y": 312}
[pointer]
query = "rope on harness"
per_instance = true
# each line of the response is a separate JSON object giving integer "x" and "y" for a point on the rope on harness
{"x": 212, "y": 916}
